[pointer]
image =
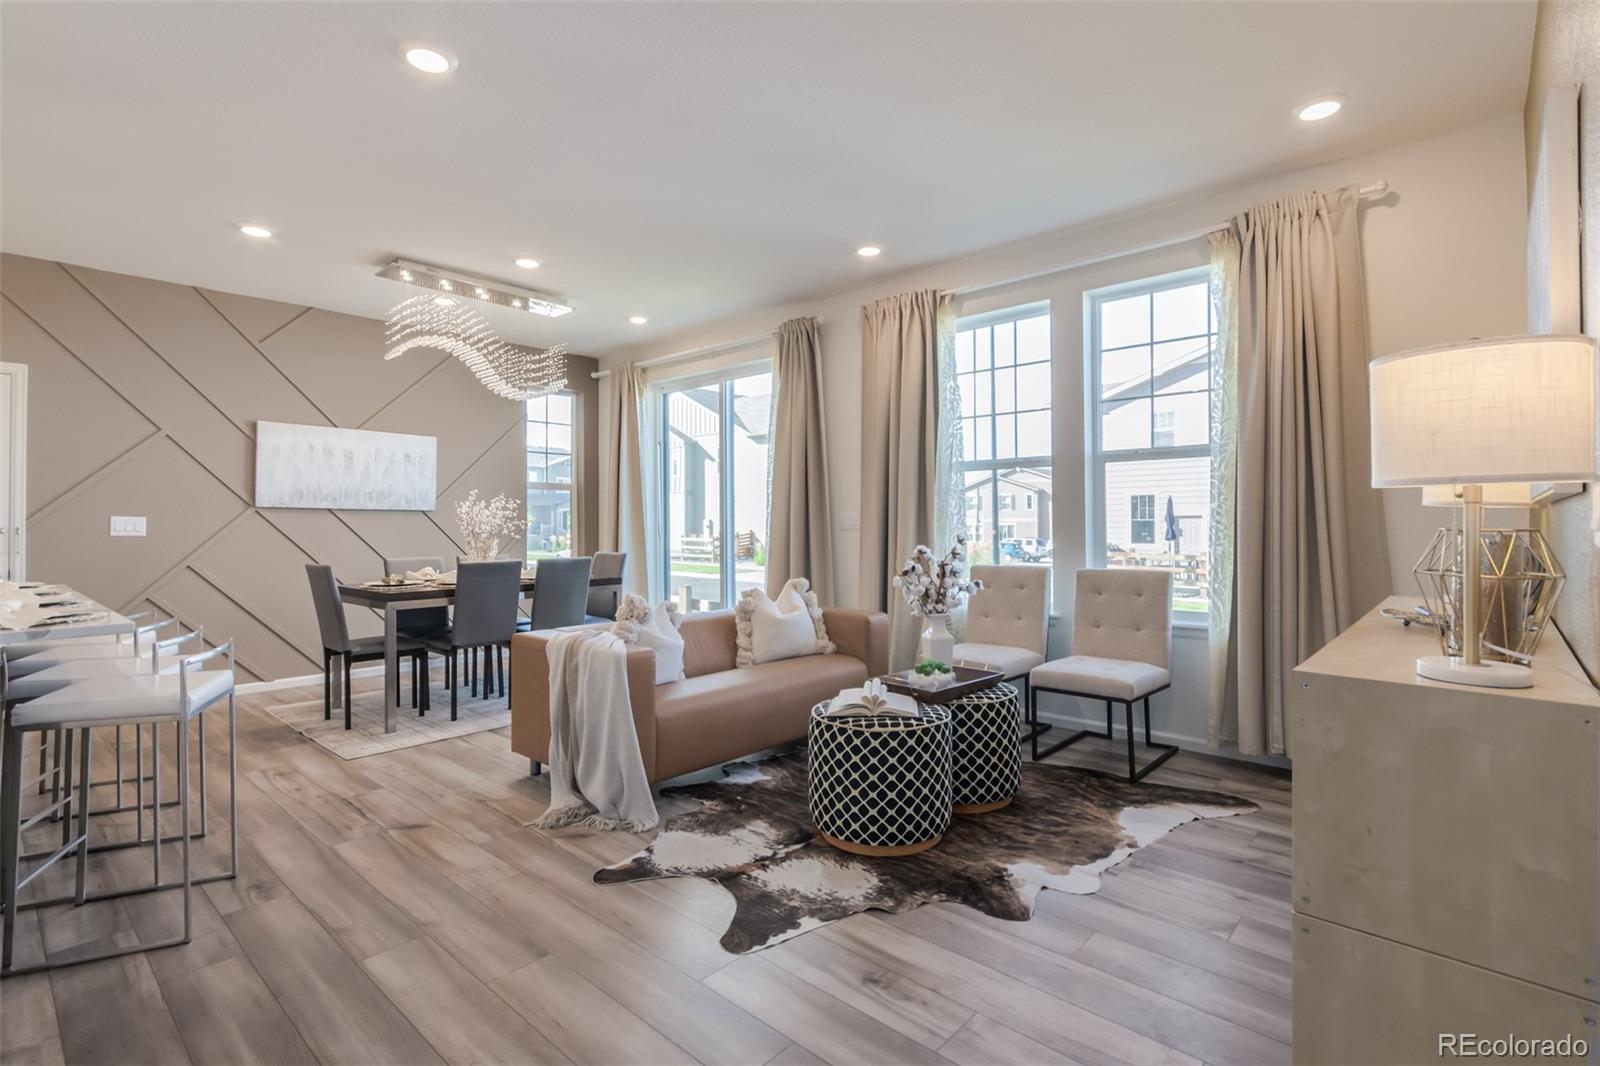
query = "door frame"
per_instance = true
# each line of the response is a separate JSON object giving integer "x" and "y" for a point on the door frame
{"x": 17, "y": 429}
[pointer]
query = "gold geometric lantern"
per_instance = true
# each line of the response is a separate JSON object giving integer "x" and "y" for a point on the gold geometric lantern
{"x": 1519, "y": 581}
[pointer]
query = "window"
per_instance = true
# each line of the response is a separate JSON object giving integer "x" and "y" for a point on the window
{"x": 1003, "y": 375}
{"x": 714, "y": 437}
{"x": 1151, "y": 345}
{"x": 1142, "y": 521}
{"x": 550, "y": 430}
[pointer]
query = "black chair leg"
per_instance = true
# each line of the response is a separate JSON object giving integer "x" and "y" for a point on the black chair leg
{"x": 427, "y": 682}
{"x": 1108, "y": 720}
{"x": 535, "y": 769}
{"x": 346, "y": 691}
{"x": 414, "y": 673}
{"x": 1147, "y": 722}
{"x": 455, "y": 690}
{"x": 472, "y": 671}
{"x": 327, "y": 686}
{"x": 1133, "y": 766}
{"x": 500, "y": 667}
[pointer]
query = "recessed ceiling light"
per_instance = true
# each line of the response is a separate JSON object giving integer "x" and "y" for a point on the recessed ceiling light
{"x": 1317, "y": 110}
{"x": 430, "y": 60}
{"x": 251, "y": 229}
{"x": 867, "y": 251}
{"x": 528, "y": 264}
{"x": 638, "y": 320}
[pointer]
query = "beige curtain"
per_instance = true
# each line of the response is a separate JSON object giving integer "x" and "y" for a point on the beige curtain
{"x": 624, "y": 521}
{"x": 800, "y": 525}
{"x": 907, "y": 470}
{"x": 1309, "y": 543}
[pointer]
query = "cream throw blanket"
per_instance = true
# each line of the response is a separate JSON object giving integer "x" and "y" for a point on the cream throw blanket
{"x": 597, "y": 776}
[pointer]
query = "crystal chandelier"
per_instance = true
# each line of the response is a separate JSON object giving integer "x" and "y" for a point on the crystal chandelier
{"x": 446, "y": 319}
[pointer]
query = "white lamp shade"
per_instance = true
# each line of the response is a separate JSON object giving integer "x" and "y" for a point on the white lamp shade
{"x": 1505, "y": 409}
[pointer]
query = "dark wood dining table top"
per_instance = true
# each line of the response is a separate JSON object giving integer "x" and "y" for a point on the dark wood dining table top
{"x": 380, "y": 595}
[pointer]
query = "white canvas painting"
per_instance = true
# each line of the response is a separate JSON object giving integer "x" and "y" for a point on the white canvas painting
{"x": 344, "y": 469}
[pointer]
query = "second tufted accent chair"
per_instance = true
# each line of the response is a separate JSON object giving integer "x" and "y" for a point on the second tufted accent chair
{"x": 1007, "y": 620}
{"x": 1121, "y": 653}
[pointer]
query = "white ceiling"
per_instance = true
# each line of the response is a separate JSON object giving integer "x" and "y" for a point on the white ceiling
{"x": 678, "y": 161}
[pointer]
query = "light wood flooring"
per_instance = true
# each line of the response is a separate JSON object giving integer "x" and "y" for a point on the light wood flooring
{"x": 396, "y": 909}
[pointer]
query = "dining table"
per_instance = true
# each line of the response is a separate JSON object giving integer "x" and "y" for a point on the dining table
{"x": 42, "y": 610}
{"x": 394, "y": 599}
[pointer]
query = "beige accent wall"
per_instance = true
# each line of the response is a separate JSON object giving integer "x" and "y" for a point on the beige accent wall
{"x": 143, "y": 400}
{"x": 1566, "y": 51}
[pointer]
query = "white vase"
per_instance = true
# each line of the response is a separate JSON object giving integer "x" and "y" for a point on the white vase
{"x": 937, "y": 642}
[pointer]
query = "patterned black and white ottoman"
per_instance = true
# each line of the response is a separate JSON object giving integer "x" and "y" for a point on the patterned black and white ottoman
{"x": 986, "y": 760}
{"x": 880, "y": 783}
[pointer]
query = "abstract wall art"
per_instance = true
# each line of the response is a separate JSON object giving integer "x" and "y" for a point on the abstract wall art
{"x": 344, "y": 469}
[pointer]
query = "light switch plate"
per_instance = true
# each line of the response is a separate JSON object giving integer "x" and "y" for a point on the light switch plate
{"x": 127, "y": 525}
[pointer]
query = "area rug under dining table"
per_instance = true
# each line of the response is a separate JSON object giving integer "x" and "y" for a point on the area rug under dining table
{"x": 752, "y": 835}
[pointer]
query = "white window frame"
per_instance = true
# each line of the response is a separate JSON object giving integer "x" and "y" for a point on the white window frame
{"x": 1098, "y": 458}
{"x": 723, "y": 378}
{"x": 569, "y": 487}
{"x": 992, "y": 465}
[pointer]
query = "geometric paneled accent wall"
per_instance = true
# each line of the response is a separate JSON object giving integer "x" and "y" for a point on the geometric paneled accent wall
{"x": 143, "y": 398}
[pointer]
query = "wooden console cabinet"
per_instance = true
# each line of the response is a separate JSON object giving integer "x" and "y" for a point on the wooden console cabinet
{"x": 1446, "y": 869}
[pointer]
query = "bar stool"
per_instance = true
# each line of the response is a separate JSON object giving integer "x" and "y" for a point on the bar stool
{"x": 76, "y": 710}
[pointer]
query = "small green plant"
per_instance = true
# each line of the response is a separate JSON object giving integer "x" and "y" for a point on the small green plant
{"x": 929, "y": 667}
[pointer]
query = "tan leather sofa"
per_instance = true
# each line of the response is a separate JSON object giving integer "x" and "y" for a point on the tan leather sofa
{"x": 719, "y": 712}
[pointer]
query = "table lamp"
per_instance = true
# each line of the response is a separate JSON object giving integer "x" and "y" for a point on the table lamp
{"x": 1499, "y": 411}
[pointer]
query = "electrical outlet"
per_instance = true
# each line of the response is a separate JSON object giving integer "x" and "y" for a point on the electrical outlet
{"x": 127, "y": 525}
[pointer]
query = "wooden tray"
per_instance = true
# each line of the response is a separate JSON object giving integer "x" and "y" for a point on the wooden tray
{"x": 968, "y": 679}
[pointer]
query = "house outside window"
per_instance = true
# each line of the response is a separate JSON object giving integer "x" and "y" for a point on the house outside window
{"x": 1150, "y": 347}
{"x": 1003, "y": 376}
{"x": 714, "y": 440}
{"x": 551, "y": 421}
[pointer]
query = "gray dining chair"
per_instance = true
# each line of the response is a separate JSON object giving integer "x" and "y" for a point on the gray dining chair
{"x": 602, "y": 605}
{"x": 337, "y": 643}
{"x": 560, "y": 593}
{"x": 419, "y": 621}
{"x": 487, "y": 596}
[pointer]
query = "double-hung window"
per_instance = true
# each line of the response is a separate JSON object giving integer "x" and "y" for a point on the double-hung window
{"x": 714, "y": 448}
{"x": 1003, "y": 375}
{"x": 550, "y": 432}
{"x": 1151, "y": 345}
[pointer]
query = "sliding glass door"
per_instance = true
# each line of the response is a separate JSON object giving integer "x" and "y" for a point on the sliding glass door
{"x": 714, "y": 450}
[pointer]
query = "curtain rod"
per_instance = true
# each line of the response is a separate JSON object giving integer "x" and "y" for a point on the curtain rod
{"x": 1369, "y": 191}
{"x": 696, "y": 353}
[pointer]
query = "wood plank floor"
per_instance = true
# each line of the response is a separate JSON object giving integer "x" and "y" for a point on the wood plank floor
{"x": 397, "y": 909}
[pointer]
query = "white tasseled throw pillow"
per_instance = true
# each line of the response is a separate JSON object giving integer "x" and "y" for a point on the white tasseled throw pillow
{"x": 784, "y": 628}
{"x": 655, "y": 628}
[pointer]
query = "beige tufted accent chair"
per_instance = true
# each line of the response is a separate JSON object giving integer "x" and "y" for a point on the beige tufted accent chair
{"x": 1121, "y": 653}
{"x": 1007, "y": 619}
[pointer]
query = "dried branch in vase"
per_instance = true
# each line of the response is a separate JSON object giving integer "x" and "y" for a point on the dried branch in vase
{"x": 487, "y": 526}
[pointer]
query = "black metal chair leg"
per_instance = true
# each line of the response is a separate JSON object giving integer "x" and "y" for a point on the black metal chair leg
{"x": 327, "y": 685}
{"x": 455, "y": 690}
{"x": 1147, "y": 742}
{"x": 1108, "y": 719}
{"x": 1132, "y": 764}
{"x": 346, "y": 658}
{"x": 500, "y": 667}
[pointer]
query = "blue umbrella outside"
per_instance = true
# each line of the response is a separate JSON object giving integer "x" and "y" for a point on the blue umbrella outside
{"x": 1174, "y": 530}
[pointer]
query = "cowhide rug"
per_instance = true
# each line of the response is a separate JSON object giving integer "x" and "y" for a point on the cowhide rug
{"x": 752, "y": 835}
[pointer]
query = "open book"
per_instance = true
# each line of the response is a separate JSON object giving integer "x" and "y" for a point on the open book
{"x": 871, "y": 698}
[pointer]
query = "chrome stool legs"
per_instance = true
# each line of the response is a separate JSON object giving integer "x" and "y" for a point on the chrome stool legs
{"x": 12, "y": 827}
